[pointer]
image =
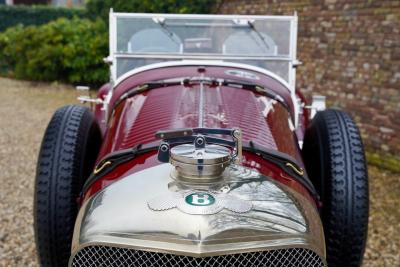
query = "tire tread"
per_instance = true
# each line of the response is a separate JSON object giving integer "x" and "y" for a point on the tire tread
{"x": 345, "y": 190}
{"x": 59, "y": 177}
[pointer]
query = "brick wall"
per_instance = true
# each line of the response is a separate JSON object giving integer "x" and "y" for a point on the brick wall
{"x": 351, "y": 54}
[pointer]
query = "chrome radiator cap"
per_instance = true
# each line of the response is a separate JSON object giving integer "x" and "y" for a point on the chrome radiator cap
{"x": 200, "y": 155}
{"x": 204, "y": 164}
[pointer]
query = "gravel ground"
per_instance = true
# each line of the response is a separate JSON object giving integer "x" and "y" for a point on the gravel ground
{"x": 25, "y": 110}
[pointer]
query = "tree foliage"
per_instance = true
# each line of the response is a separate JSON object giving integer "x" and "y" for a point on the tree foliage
{"x": 34, "y": 15}
{"x": 102, "y": 7}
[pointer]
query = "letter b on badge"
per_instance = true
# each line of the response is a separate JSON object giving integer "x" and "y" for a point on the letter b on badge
{"x": 200, "y": 199}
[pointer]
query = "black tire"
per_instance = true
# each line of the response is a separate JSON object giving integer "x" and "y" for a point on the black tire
{"x": 68, "y": 152}
{"x": 333, "y": 154}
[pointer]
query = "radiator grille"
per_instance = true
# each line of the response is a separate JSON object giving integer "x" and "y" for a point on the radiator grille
{"x": 111, "y": 256}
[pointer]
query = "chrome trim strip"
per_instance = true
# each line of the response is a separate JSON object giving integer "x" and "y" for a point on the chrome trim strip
{"x": 292, "y": 70}
{"x": 196, "y": 16}
{"x": 201, "y": 105}
{"x": 112, "y": 44}
{"x": 199, "y": 56}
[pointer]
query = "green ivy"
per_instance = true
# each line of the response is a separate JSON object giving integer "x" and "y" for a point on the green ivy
{"x": 63, "y": 50}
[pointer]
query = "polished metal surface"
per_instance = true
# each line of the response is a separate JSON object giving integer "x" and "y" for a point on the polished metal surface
{"x": 211, "y": 154}
{"x": 199, "y": 157}
{"x": 114, "y": 256}
{"x": 318, "y": 104}
{"x": 205, "y": 202}
{"x": 120, "y": 216}
{"x": 201, "y": 105}
{"x": 200, "y": 164}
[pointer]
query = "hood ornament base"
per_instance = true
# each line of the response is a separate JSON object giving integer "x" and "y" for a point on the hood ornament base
{"x": 199, "y": 203}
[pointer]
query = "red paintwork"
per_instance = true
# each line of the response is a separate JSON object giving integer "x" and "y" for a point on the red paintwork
{"x": 176, "y": 107}
{"x": 136, "y": 120}
{"x": 190, "y": 71}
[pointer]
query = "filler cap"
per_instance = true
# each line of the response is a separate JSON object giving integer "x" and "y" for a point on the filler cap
{"x": 196, "y": 155}
{"x": 200, "y": 164}
{"x": 210, "y": 154}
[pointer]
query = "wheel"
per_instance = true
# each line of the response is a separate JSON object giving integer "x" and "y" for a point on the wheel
{"x": 66, "y": 158}
{"x": 333, "y": 154}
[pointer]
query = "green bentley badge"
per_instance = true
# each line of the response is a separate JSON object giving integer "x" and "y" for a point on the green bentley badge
{"x": 192, "y": 202}
{"x": 200, "y": 199}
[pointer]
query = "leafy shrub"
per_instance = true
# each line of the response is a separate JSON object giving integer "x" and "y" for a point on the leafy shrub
{"x": 63, "y": 50}
{"x": 34, "y": 15}
{"x": 102, "y": 7}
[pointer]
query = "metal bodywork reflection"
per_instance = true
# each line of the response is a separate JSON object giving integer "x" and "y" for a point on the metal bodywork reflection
{"x": 120, "y": 216}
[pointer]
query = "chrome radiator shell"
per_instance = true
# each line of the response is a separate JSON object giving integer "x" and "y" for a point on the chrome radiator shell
{"x": 119, "y": 216}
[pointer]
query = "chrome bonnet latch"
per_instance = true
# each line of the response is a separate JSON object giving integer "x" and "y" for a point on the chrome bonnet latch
{"x": 200, "y": 154}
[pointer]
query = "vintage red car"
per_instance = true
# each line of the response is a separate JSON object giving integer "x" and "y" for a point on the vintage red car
{"x": 200, "y": 151}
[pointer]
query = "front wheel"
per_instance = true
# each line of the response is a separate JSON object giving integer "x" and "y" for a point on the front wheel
{"x": 333, "y": 154}
{"x": 67, "y": 156}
